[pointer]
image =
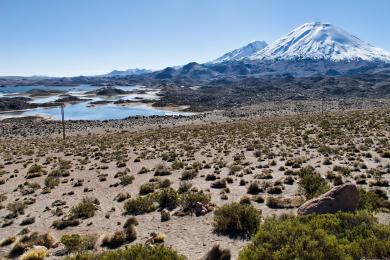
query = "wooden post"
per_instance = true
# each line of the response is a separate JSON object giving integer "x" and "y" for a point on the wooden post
{"x": 63, "y": 120}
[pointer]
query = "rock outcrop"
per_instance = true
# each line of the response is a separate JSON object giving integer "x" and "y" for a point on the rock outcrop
{"x": 341, "y": 198}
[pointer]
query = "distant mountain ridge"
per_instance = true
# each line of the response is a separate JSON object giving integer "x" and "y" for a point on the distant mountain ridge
{"x": 243, "y": 52}
{"x": 129, "y": 72}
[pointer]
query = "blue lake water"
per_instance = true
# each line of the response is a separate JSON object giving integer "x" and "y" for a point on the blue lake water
{"x": 84, "y": 110}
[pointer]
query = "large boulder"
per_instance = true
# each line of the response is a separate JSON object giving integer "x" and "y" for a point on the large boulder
{"x": 341, "y": 198}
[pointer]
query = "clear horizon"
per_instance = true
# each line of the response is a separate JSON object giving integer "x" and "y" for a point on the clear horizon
{"x": 93, "y": 37}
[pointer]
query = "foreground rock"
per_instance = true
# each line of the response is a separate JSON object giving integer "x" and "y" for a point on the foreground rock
{"x": 341, "y": 198}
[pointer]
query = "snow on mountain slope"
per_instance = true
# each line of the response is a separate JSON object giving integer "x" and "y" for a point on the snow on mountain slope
{"x": 129, "y": 72}
{"x": 243, "y": 52}
{"x": 321, "y": 41}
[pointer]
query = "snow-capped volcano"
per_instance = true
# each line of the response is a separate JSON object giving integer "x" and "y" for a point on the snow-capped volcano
{"x": 321, "y": 41}
{"x": 243, "y": 52}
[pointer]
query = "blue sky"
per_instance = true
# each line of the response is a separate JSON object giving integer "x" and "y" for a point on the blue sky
{"x": 89, "y": 37}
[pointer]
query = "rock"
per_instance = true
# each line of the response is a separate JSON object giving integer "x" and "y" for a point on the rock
{"x": 341, "y": 198}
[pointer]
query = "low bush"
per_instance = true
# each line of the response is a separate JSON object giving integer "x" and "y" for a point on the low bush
{"x": 168, "y": 198}
{"x": 155, "y": 252}
{"x": 115, "y": 240}
{"x": 139, "y": 205}
{"x": 325, "y": 236}
{"x": 126, "y": 180}
{"x": 78, "y": 243}
{"x": 85, "y": 208}
{"x": 64, "y": 223}
{"x": 188, "y": 175}
{"x": 37, "y": 253}
{"x": 146, "y": 188}
{"x": 237, "y": 219}
{"x": 162, "y": 170}
{"x": 7, "y": 241}
{"x": 35, "y": 171}
{"x": 311, "y": 184}
{"x": 216, "y": 253}
{"x": 220, "y": 184}
{"x": 30, "y": 240}
{"x": 188, "y": 200}
{"x": 372, "y": 201}
{"x": 254, "y": 188}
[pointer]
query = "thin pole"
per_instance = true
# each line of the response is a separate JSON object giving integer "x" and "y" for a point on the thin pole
{"x": 63, "y": 120}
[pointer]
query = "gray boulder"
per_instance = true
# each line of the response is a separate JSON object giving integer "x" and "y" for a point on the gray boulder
{"x": 341, "y": 198}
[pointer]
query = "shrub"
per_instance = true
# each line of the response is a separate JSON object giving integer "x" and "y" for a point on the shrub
{"x": 371, "y": 201}
{"x": 146, "y": 188}
{"x": 51, "y": 182}
{"x": 344, "y": 170}
{"x": 130, "y": 221}
{"x": 156, "y": 252}
{"x": 139, "y": 205}
{"x": 35, "y": 171}
{"x": 189, "y": 200}
{"x": 237, "y": 219}
{"x": 27, "y": 221}
{"x": 188, "y": 175}
{"x": 284, "y": 202}
{"x": 115, "y": 240}
{"x": 311, "y": 183}
{"x": 254, "y": 188}
{"x": 184, "y": 186}
{"x": 85, "y": 208}
{"x": 122, "y": 196}
{"x": 126, "y": 180}
{"x": 64, "y": 223}
{"x": 220, "y": 184}
{"x": 162, "y": 170}
{"x": 143, "y": 170}
{"x": 37, "y": 253}
{"x": 176, "y": 165}
{"x": 17, "y": 207}
{"x": 216, "y": 253}
{"x": 28, "y": 241}
{"x": 325, "y": 236}
{"x": 78, "y": 243}
{"x": 168, "y": 198}
{"x": 7, "y": 241}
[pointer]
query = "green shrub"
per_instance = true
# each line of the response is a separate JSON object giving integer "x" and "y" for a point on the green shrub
{"x": 146, "y": 188}
{"x": 188, "y": 175}
{"x": 139, "y": 205}
{"x": 168, "y": 198}
{"x": 35, "y": 170}
{"x": 136, "y": 252}
{"x": 344, "y": 170}
{"x": 115, "y": 240}
{"x": 126, "y": 179}
{"x": 325, "y": 236}
{"x": 176, "y": 165}
{"x": 371, "y": 201}
{"x": 30, "y": 240}
{"x": 311, "y": 183}
{"x": 84, "y": 209}
{"x": 189, "y": 199}
{"x": 51, "y": 182}
{"x": 162, "y": 170}
{"x": 78, "y": 243}
{"x": 64, "y": 223}
{"x": 237, "y": 219}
